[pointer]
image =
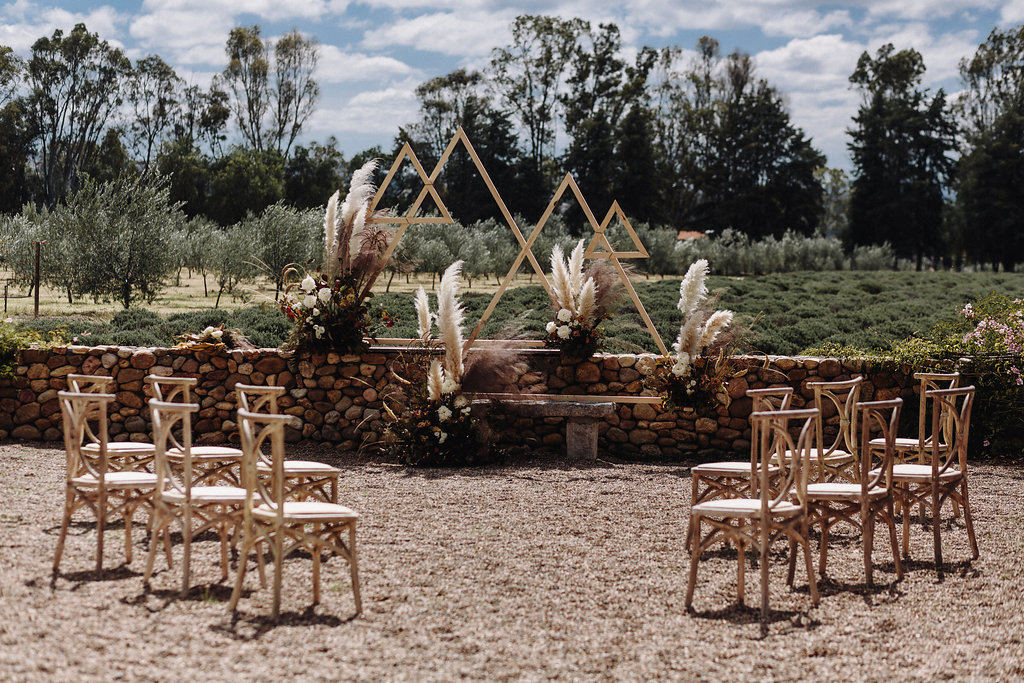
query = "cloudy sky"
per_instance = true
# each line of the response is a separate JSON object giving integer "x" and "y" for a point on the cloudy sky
{"x": 375, "y": 53}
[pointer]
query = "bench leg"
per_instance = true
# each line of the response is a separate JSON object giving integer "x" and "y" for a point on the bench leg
{"x": 581, "y": 438}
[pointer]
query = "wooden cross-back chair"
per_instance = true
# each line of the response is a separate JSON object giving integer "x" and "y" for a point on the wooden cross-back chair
{"x": 288, "y": 525}
{"x": 211, "y": 464}
{"x": 836, "y": 459}
{"x": 179, "y": 497}
{"x": 732, "y": 478}
{"x": 868, "y": 499}
{"x": 126, "y": 455}
{"x": 94, "y": 480}
{"x": 944, "y": 477}
{"x": 304, "y": 479}
{"x": 917, "y": 448}
{"x": 778, "y": 509}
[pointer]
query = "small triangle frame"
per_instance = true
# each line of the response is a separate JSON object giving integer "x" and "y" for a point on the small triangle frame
{"x": 600, "y": 240}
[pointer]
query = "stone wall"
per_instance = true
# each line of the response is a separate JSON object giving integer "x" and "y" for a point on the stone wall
{"x": 338, "y": 400}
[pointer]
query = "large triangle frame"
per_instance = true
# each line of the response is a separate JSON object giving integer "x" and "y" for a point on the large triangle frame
{"x": 599, "y": 241}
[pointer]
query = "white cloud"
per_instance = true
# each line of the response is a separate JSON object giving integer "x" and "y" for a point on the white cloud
{"x": 23, "y": 23}
{"x": 463, "y": 34}
{"x": 376, "y": 112}
{"x": 337, "y": 66}
{"x": 267, "y": 10}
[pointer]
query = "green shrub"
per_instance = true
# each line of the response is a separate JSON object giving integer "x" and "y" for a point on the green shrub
{"x": 13, "y": 338}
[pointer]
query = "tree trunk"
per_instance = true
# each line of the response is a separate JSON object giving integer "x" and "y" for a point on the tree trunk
{"x": 206, "y": 292}
{"x": 217, "y": 302}
{"x": 387, "y": 287}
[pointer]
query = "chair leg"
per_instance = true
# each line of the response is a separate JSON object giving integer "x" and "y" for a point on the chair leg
{"x": 236, "y": 592}
{"x": 823, "y": 547}
{"x": 905, "y": 507}
{"x": 186, "y": 561}
{"x": 936, "y": 534}
{"x": 811, "y": 579}
{"x": 278, "y": 569}
{"x": 101, "y": 524}
{"x": 694, "y": 536}
{"x": 128, "y": 513}
{"x": 693, "y": 498}
{"x": 968, "y": 521}
{"x": 317, "y": 550}
{"x": 223, "y": 532}
{"x": 890, "y": 518}
{"x": 867, "y": 525}
{"x": 154, "y": 540}
{"x": 65, "y": 522}
{"x": 353, "y": 564}
{"x": 764, "y": 575}
{"x": 741, "y": 571}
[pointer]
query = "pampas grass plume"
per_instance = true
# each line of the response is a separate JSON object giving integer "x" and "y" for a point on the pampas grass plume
{"x": 560, "y": 279}
{"x": 435, "y": 378}
{"x": 588, "y": 303}
{"x": 450, "y": 315}
{"x": 692, "y": 289}
{"x": 331, "y": 234}
{"x": 422, "y": 315}
{"x": 576, "y": 270}
{"x": 714, "y": 326}
{"x": 689, "y": 336}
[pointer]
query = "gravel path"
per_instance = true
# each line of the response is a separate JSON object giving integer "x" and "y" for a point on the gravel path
{"x": 539, "y": 570}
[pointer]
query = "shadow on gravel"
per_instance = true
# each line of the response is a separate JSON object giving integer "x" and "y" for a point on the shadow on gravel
{"x": 253, "y": 627}
{"x": 744, "y": 615}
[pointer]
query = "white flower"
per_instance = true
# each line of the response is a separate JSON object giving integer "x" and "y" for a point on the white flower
{"x": 551, "y": 327}
{"x": 460, "y": 401}
{"x": 449, "y": 385}
{"x": 563, "y": 331}
{"x": 444, "y": 413}
{"x": 309, "y": 301}
{"x": 441, "y": 436}
{"x": 319, "y": 330}
{"x": 324, "y": 294}
{"x": 217, "y": 334}
{"x": 315, "y": 312}
{"x": 565, "y": 315}
{"x": 679, "y": 369}
{"x": 308, "y": 285}
{"x": 208, "y": 330}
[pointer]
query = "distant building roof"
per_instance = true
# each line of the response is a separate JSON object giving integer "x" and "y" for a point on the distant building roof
{"x": 690, "y": 235}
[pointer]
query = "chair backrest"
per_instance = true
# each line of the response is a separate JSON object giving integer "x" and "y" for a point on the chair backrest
{"x": 930, "y": 381}
{"x": 255, "y": 429}
{"x": 258, "y": 399}
{"x": 953, "y": 421}
{"x": 167, "y": 418}
{"x": 775, "y": 431}
{"x": 89, "y": 384}
{"x": 771, "y": 398}
{"x": 169, "y": 389}
{"x": 77, "y": 411}
{"x": 842, "y": 397}
{"x": 880, "y": 418}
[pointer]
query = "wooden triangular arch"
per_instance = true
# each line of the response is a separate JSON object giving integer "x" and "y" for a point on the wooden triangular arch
{"x": 525, "y": 243}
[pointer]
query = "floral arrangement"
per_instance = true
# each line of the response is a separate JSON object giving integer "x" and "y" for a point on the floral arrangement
{"x": 430, "y": 421}
{"x": 581, "y": 303}
{"x": 329, "y": 306}
{"x": 213, "y": 340}
{"x": 693, "y": 376}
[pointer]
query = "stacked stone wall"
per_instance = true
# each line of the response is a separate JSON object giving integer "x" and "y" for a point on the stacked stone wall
{"x": 338, "y": 400}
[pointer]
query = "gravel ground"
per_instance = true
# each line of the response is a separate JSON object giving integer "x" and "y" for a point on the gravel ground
{"x": 538, "y": 570}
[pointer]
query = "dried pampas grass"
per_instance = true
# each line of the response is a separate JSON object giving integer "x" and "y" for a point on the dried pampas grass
{"x": 450, "y": 315}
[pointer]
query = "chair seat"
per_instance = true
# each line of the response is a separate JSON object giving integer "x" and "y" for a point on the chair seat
{"x": 307, "y": 511}
{"x": 902, "y": 443}
{"x": 842, "y": 491}
{"x": 121, "y": 448}
{"x": 129, "y": 479}
{"x": 922, "y": 473}
{"x": 303, "y": 467}
{"x": 207, "y": 494}
{"x": 742, "y": 507}
{"x": 835, "y": 456}
{"x": 207, "y": 453}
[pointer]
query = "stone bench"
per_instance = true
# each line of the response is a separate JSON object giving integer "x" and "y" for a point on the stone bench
{"x": 581, "y": 418}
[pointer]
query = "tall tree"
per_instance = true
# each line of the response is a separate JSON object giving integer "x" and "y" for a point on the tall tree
{"x": 247, "y": 77}
{"x": 900, "y": 145}
{"x": 203, "y": 116}
{"x": 15, "y": 135}
{"x": 313, "y": 173}
{"x": 271, "y": 103}
{"x": 74, "y": 88}
{"x": 991, "y": 170}
{"x": 296, "y": 92}
{"x": 153, "y": 93}
{"x": 528, "y": 75}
